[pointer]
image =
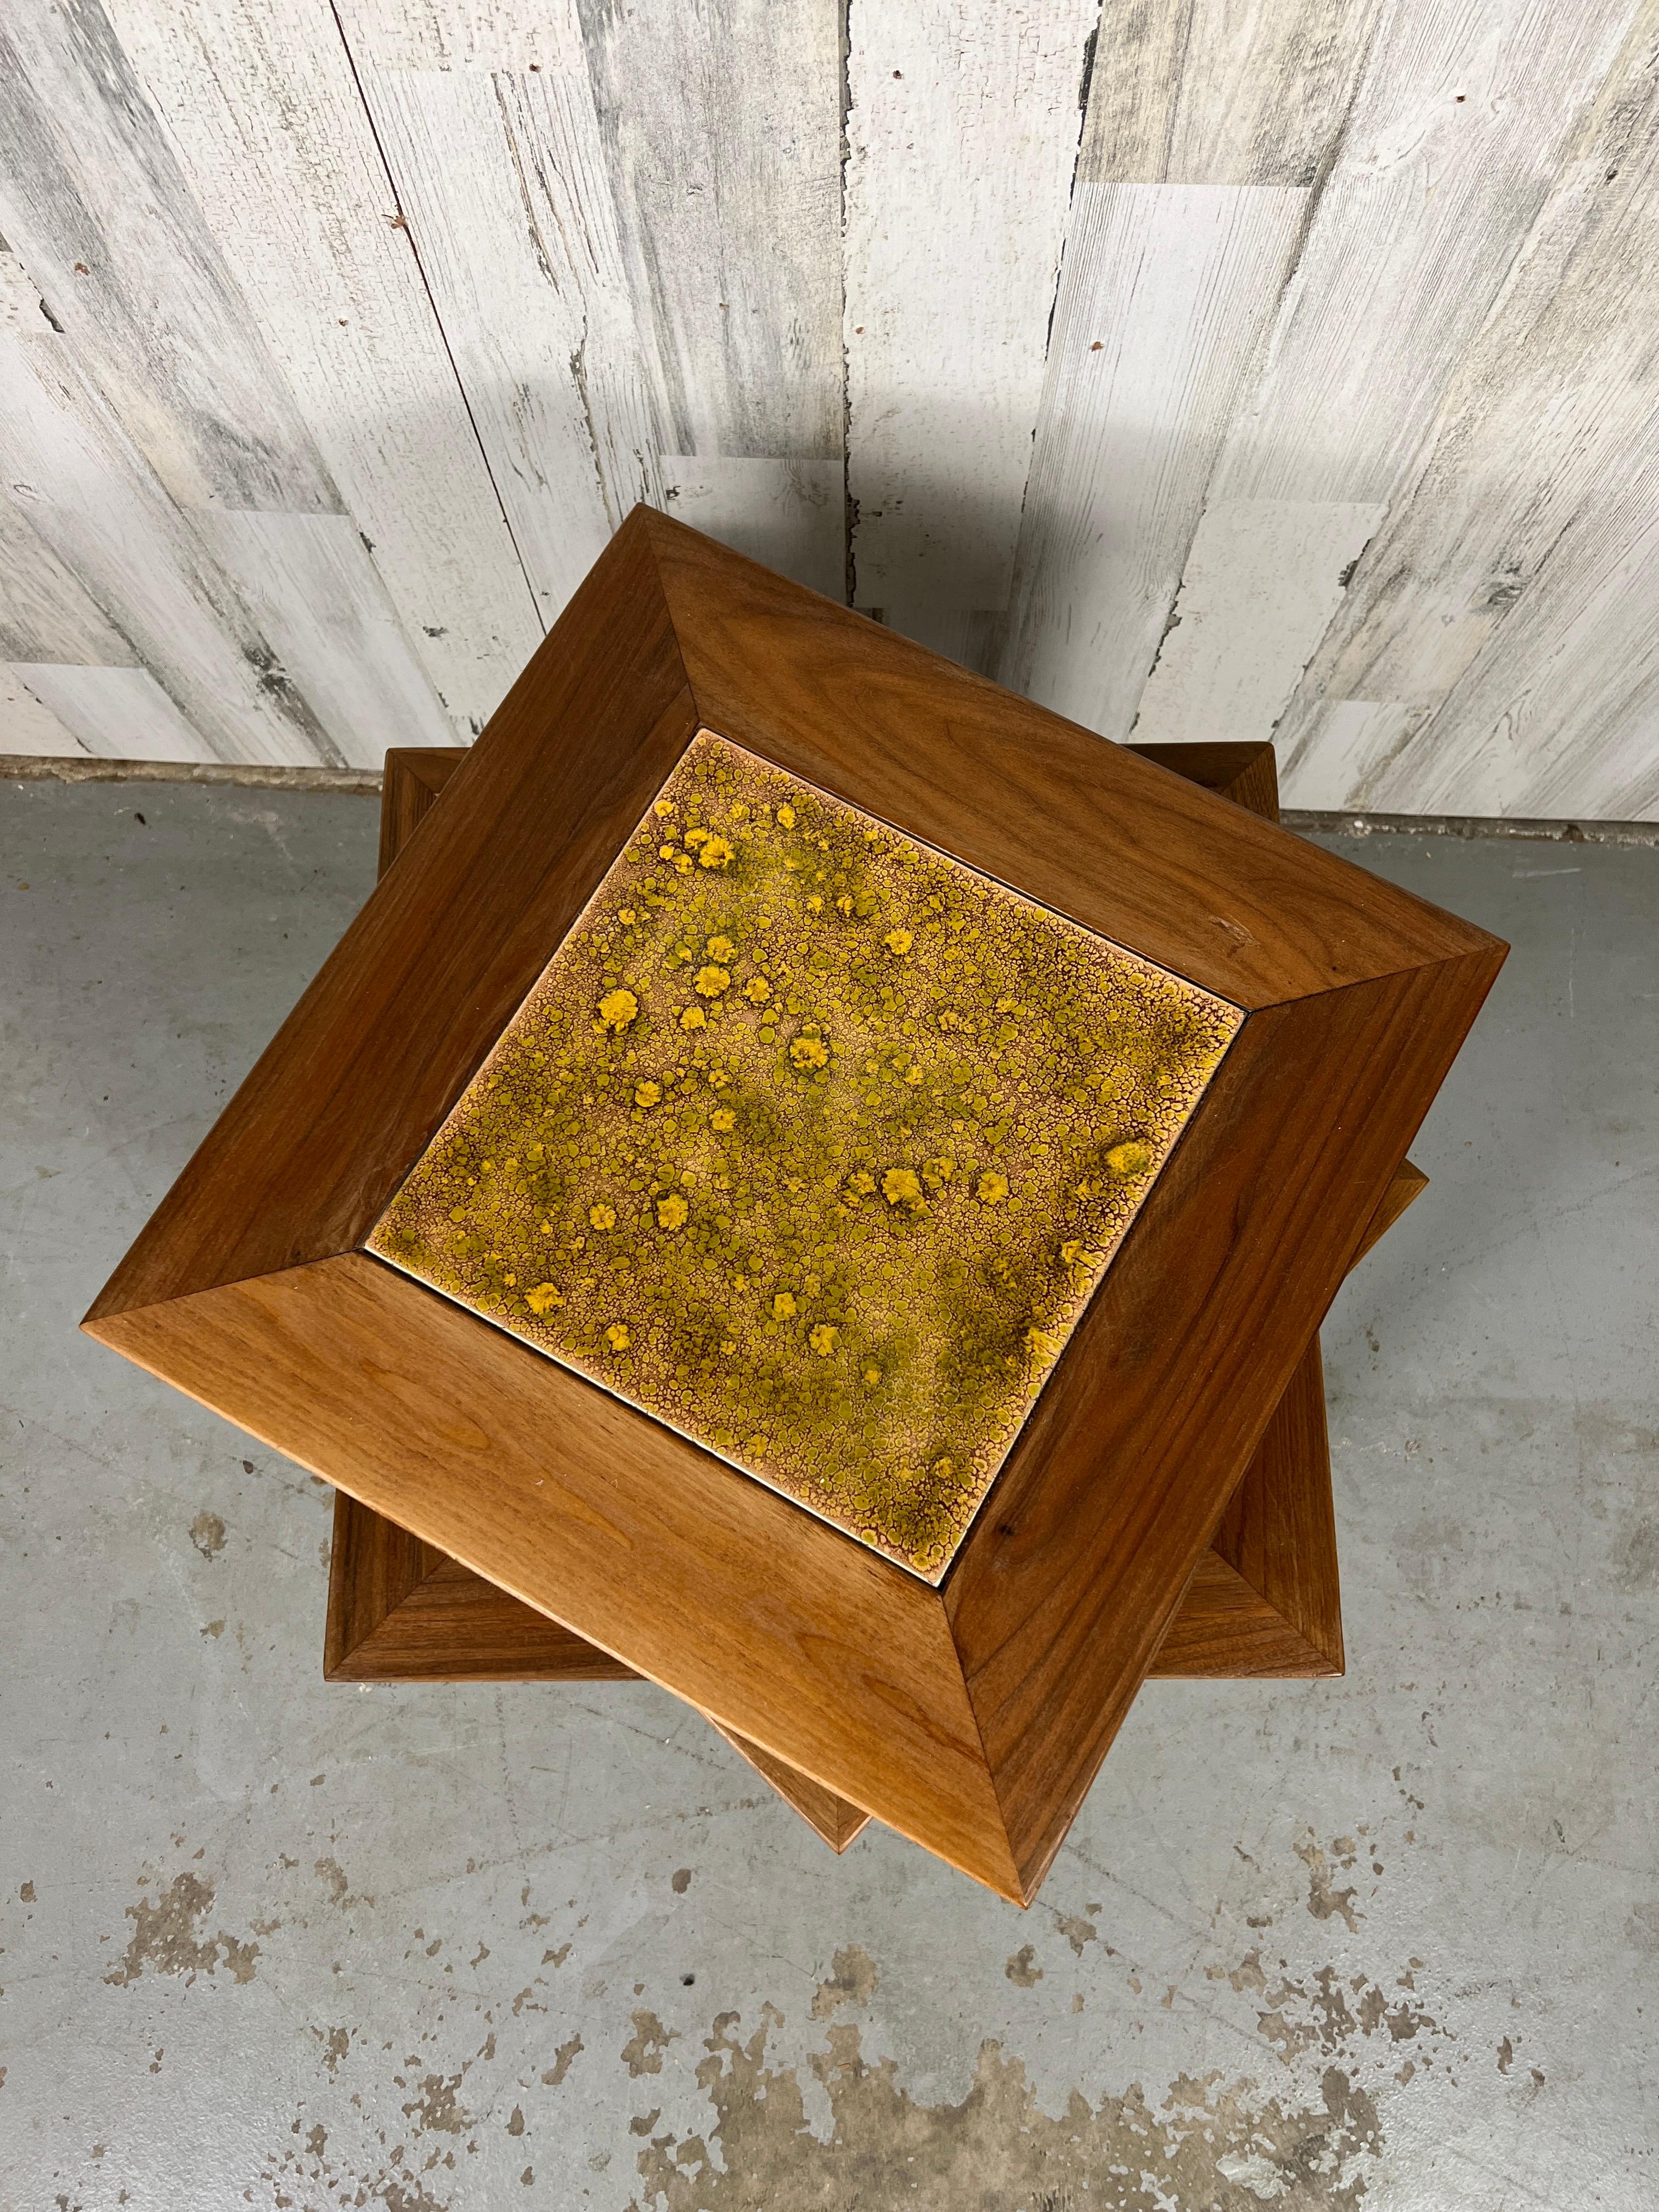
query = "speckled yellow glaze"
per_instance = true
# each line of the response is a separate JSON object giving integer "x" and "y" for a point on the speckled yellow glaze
{"x": 813, "y": 1143}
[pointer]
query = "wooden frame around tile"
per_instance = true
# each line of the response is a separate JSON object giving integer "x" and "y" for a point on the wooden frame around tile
{"x": 971, "y": 1717}
{"x": 400, "y": 1611}
{"x": 1264, "y": 1601}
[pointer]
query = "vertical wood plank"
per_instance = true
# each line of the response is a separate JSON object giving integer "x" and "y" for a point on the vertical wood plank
{"x": 45, "y": 613}
{"x": 93, "y": 500}
{"x": 1222, "y": 92}
{"x": 788, "y": 514}
{"x": 94, "y": 205}
{"x": 502, "y": 179}
{"x": 962, "y": 138}
{"x": 1209, "y": 126}
{"x": 629, "y": 222}
{"x": 722, "y": 126}
{"x": 1168, "y": 290}
{"x": 1263, "y": 578}
{"x": 1456, "y": 128}
{"x": 264, "y": 117}
{"x": 1496, "y": 651}
{"x": 28, "y": 724}
{"x": 321, "y": 602}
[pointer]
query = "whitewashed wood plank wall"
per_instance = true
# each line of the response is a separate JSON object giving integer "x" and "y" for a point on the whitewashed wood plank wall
{"x": 1203, "y": 367}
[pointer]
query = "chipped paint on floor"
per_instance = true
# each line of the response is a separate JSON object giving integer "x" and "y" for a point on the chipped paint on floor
{"x": 1389, "y": 1943}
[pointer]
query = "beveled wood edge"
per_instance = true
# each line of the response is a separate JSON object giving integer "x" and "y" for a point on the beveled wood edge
{"x": 1408, "y": 1185}
{"x": 879, "y": 1716}
{"x": 1243, "y": 772}
{"x": 1098, "y": 1598}
{"x": 1278, "y": 1531}
{"x": 301, "y": 1160}
{"x": 700, "y": 717}
{"x": 368, "y": 1650}
{"x": 833, "y": 1818}
{"x": 386, "y": 1588}
{"x": 747, "y": 639}
{"x": 1231, "y": 1634}
{"x": 411, "y": 780}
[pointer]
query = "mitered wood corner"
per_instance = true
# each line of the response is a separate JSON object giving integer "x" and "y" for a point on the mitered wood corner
{"x": 971, "y": 1716}
{"x": 1226, "y": 1626}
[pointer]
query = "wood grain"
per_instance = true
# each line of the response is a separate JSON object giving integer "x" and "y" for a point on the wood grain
{"x": 1208, "y": 131}
{"x": 94, "y": 204}
{"x": 1525, "y": 518}
{"x": 410, "y": 782}
{"x": 973, "y": 112}
{"x": 264, "y": 117}
{"x": 377, "y": 1568}
{"x": 45, "y": 613}
{"x": 360, "y": 1076}
{"x": 836, "y": 1822}
{"x": 1455, "y": 129}
{"x": 1168, "y": 293}
{"x": 115, "y": 713}
{"x": 402, "y": 1611}
{"x": 1222, "y": 92}
{"x": 1262, "y": 580}
{"x": 722, "y": 124}
{"x": 810, "y": 1647}
{"x": 1225, "y": 1631}
{"x": 1279, "y": 1532}
{"x": 501, "y": 176}
{"x": 972, "y": 1721}
{"x": 789, "y": 515}
{"x": 187, "y": 492}
{"x": 1238, "y": 906}
{"x": 309, "y": 582}
{"x": 95, "y": 502}
{"x": 1069, "y": 1579}
{"x": 1336, "y": 423}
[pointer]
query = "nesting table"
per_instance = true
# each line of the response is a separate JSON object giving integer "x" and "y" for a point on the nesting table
{"x": 815, "y": 1181}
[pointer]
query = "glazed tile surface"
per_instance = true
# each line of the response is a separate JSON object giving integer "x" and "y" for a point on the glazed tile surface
{"x": 813, "y": 1143}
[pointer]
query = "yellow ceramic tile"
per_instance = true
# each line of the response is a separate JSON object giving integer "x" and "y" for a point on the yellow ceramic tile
{"x": 813, "y": 1143}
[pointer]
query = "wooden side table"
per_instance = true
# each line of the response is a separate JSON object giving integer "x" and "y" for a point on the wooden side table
{"x": 822, "y": 1179}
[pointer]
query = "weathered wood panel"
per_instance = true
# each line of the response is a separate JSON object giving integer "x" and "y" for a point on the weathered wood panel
{"x": 93, "y": 500}
{"x": 1203, "y": 367}
{"x": 28, "y": 726}
{"x": 1168, "y": 290}
{"x": 1222, "y": 92}
{"x": 1264, "y": 577}
{"x": 264, "y": 119}
{"x": 629, "y": 229}
{"x": 722, "y": 127}
{"x": 789, "y": 514}
{"x": 322, "y": 604}
{"x": 1456, "y": 128}
{"x": 1210, "y": 125}
{"x": 1497, "y": 648}
{"x": 502, "y": 181}
{"x": 95, "y": 207}
{"x": 961, "y": 136}
{"x": 114, "y": 713}
{"x": 45, "y": 612}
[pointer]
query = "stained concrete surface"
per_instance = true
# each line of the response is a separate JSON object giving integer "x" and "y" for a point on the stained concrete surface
{"x": 1392, "y": 1941}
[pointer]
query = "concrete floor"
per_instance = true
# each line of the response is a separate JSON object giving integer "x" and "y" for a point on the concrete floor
{"x": 1393, "y": 1939}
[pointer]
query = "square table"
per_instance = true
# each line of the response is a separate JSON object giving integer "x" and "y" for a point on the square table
{"x": 1264, "y": 1601}
{"x": 821, "y": 1178}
